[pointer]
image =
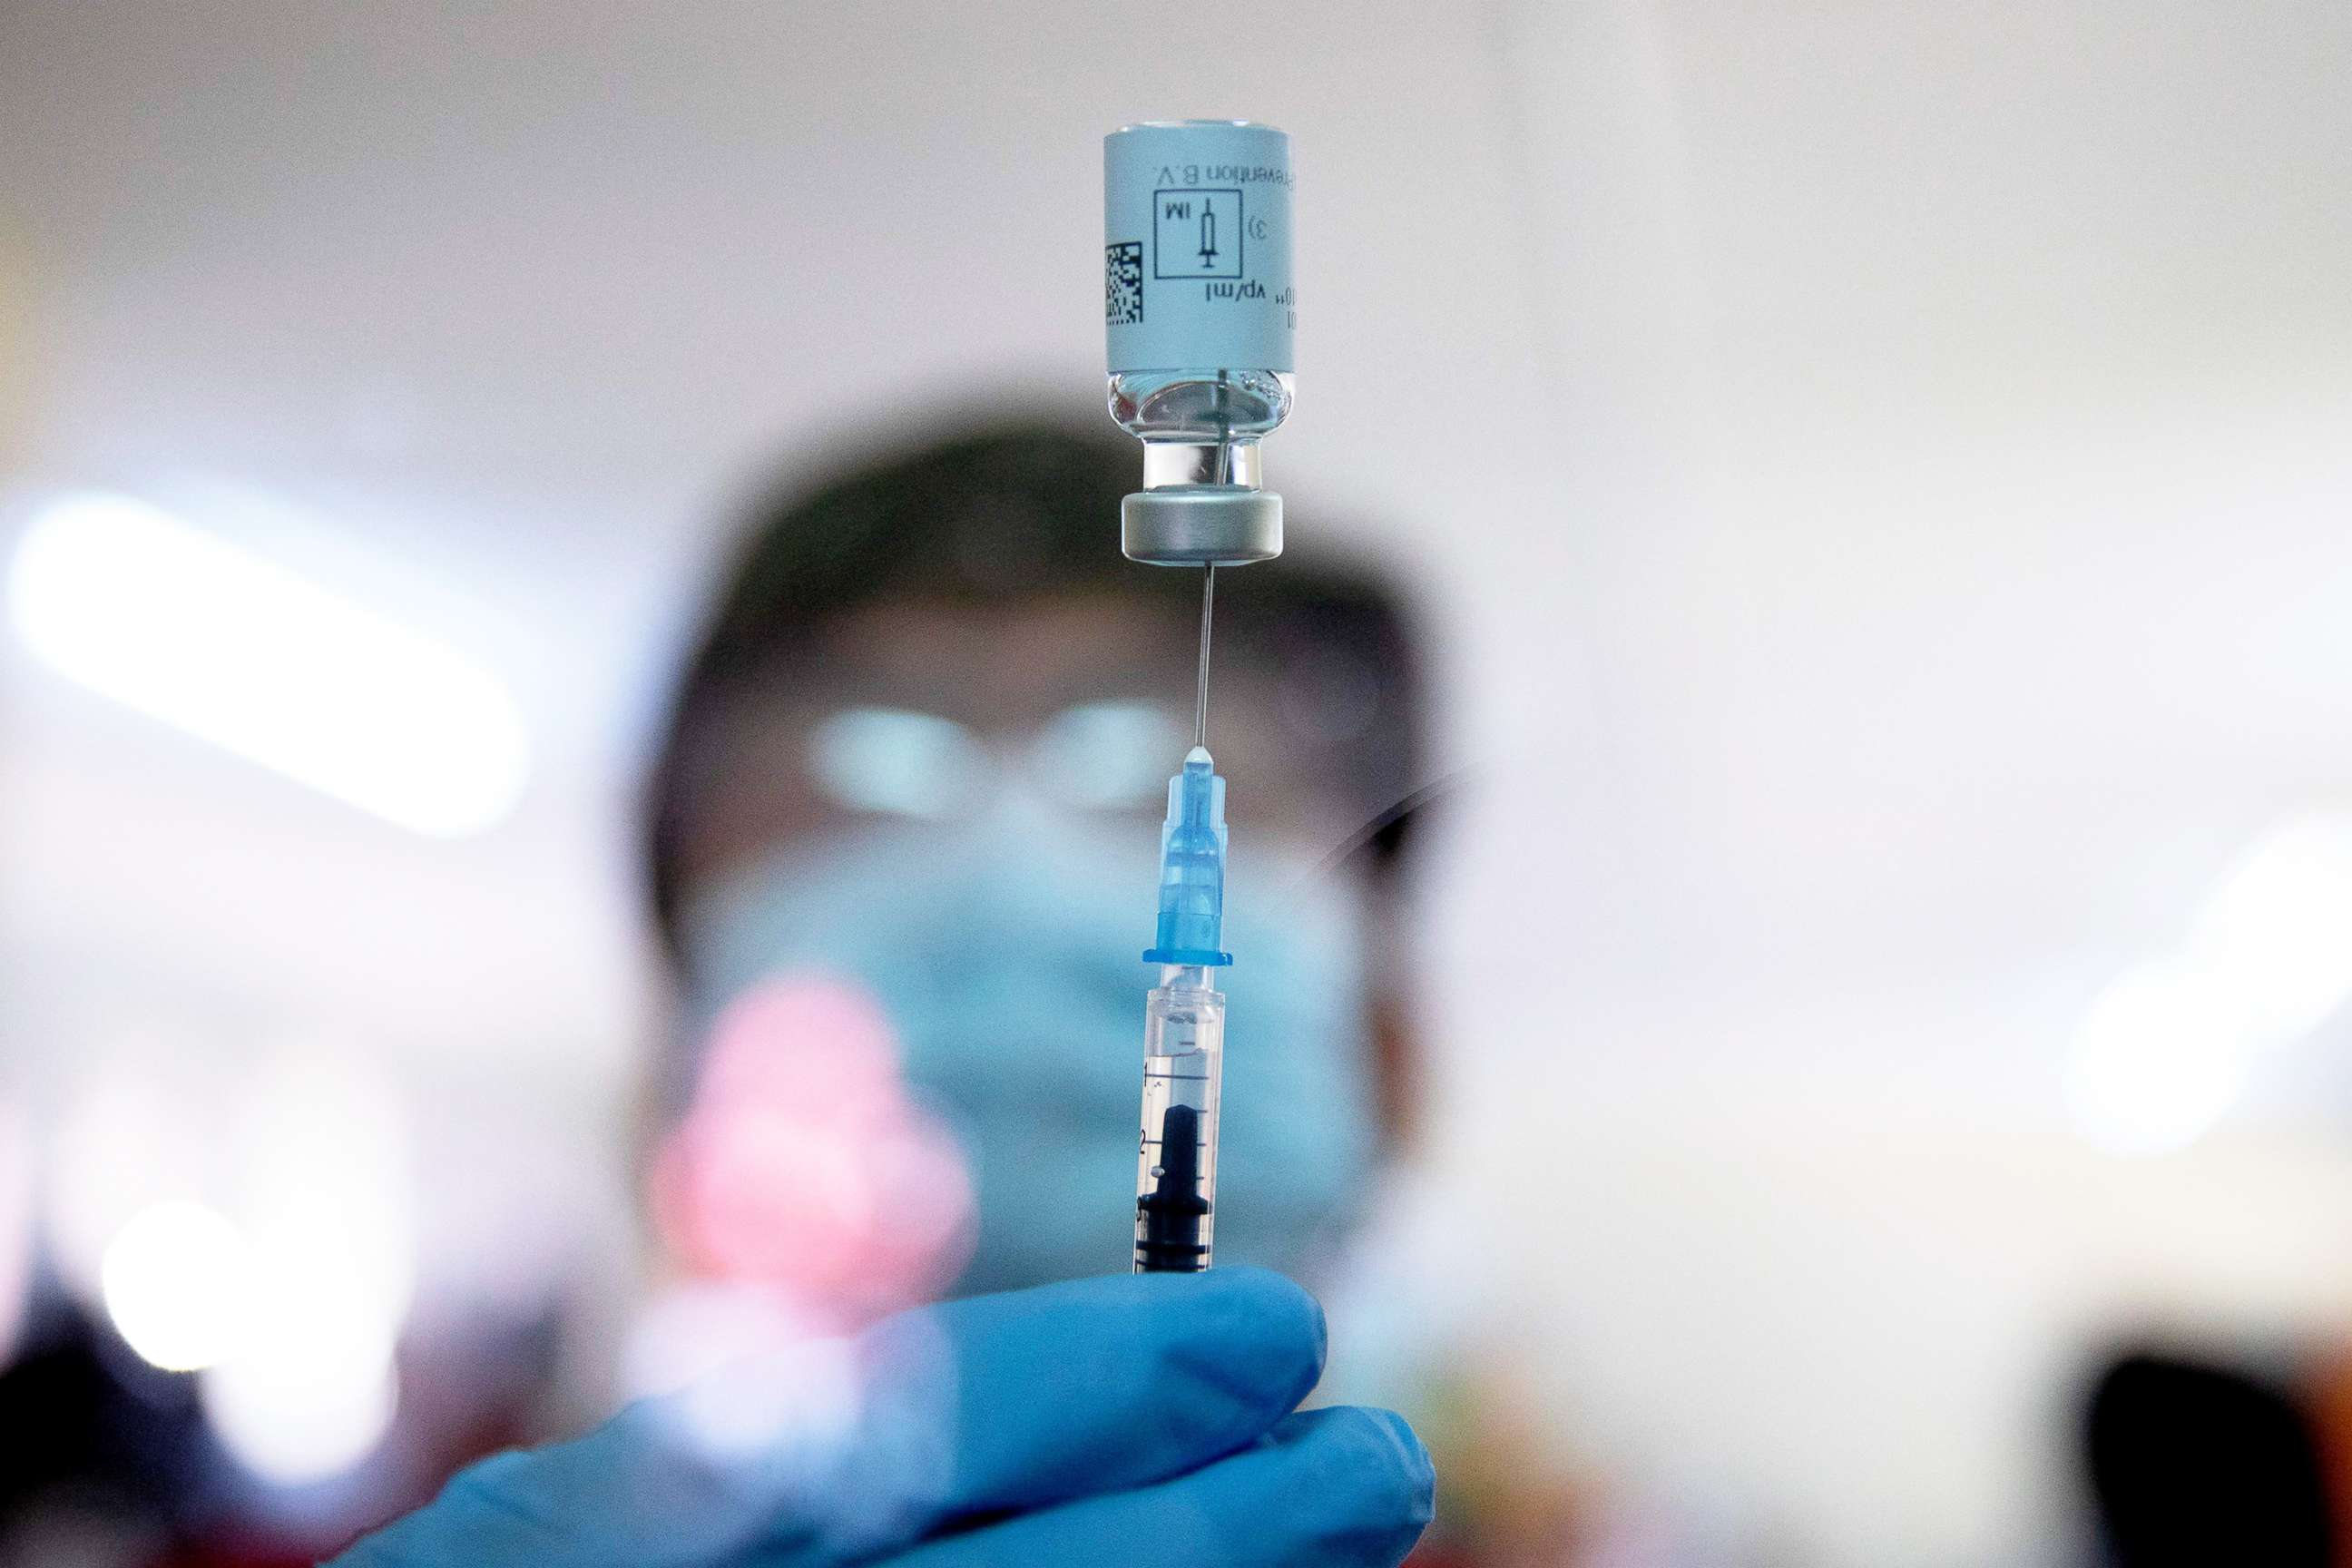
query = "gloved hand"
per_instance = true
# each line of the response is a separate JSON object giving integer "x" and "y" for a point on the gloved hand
{"x": 1144, "y": 1419}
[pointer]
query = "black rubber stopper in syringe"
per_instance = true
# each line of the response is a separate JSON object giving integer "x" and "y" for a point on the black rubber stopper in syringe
{"x": 1172, "y": 1210}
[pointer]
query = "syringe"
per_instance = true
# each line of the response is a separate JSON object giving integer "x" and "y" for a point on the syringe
{"x": 1184, "y": 1032}
{"x": 1198, "y": 313}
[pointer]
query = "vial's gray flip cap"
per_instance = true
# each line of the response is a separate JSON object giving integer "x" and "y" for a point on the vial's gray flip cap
{"x": 1195, "y": 525}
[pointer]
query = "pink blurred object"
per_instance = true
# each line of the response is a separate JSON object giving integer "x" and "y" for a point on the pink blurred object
{"x": 805, "y": 1165}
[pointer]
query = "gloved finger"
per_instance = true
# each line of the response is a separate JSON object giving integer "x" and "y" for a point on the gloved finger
{"x": 1342, "y": 1488}
{"x": 828, "y": 1453}
{"x": 1104, "y": 1384}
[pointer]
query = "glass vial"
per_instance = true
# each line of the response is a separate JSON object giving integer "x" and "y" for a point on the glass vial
{"x": 1199, "y": 313}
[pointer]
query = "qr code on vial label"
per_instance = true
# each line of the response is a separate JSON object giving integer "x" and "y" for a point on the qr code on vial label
{"x": 1123, "y": 282}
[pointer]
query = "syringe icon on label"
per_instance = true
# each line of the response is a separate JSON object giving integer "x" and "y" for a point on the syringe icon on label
{"x": 1208, "y": 236}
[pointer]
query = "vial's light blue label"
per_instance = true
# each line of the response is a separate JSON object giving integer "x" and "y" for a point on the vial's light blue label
{"x": 1196, "y": 247}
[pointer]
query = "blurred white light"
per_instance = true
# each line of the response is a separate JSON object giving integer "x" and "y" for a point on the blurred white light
{"x": 313, "y": 1390}
{"x": 178, "y": 1284}
{"x": 124, "y": 1140}
{"x": 2157, "y": 1061}
{"x": 2278, "y": 930}
{"x": 142, "y": 608}
{"x": 322, "y": 1176}
{"x": 324, "y": 1189}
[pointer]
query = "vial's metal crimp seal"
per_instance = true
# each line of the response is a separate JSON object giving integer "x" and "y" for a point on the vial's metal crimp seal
{"x": 1200, "y": 525}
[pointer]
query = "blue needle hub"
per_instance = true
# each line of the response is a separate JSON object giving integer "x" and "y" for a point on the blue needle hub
{"x": 1192, "y": 867}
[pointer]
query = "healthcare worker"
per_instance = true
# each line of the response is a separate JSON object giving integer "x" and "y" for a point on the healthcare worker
{"x": 915, "y": 774}
{"x": 902, "y": 847}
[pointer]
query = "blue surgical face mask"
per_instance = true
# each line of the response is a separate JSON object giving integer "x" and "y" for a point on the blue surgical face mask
{"x": 1030, "y": 1042}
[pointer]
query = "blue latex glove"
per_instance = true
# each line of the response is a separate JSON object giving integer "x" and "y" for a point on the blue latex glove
{"x": 1145, "y": 1419}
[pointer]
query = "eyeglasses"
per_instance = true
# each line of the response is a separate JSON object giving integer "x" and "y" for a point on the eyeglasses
{"x": 1095, "y": 756}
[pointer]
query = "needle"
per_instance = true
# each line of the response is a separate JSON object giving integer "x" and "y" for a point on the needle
{"x": 1201, "y": 700}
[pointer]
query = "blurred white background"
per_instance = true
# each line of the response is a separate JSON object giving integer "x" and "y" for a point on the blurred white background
{"x": 1881, "y": 474}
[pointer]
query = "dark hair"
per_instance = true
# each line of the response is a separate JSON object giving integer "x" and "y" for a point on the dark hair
{"x": 1005, "y": 511}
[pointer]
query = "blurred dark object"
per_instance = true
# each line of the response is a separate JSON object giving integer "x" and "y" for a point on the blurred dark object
{"x": 101, "y": 1454}
{"x": 2198, "y": 1464}
{"x": 107, "y": 1462}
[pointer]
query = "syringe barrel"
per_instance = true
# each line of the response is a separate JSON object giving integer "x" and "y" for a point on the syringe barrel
{"x": 1176, "y": 1160}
